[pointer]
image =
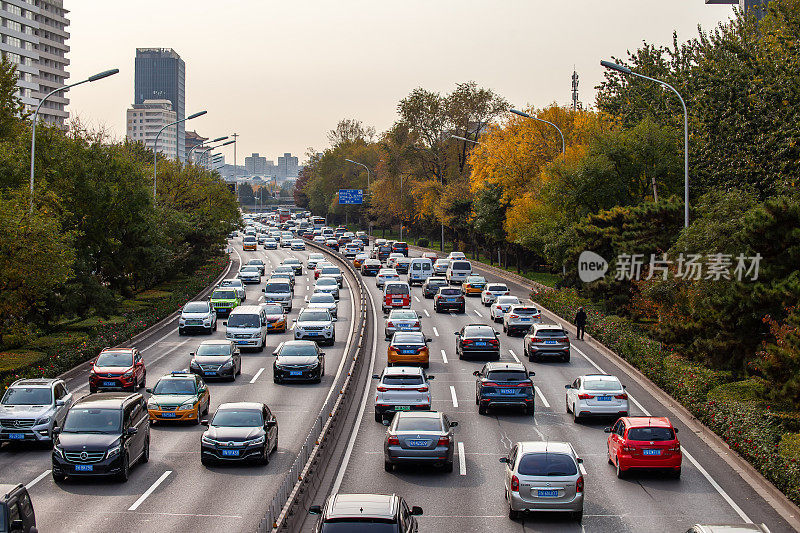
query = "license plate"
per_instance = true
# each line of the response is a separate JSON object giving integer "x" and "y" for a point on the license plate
{"x": 547, "y": 493}
{"x": 242, "y": 342}
{"x": 230, "y": 453}
{"x": 418, "y": 443}
{"x": 451, "y": 299}
{"x": 524, "y": 319}
{"x": 84, "y": 468}
{"x": 550, "y": 342}
{"x": 109, "y": 383}
{"x": 651, "y": 452}
{"x": 402, "y": 407}
{"x": 16, "y": 436}
{"x": 604, "y": 398}
{"x": 210, "y": 373}
{"x": 403, "y": 326}
{"x": 480, "y": 344}
{"x": 296, "y": 373}
{"x": 168, "y": 415}
{"x": 508, "y": 391}
{"x": 397, "y": 301}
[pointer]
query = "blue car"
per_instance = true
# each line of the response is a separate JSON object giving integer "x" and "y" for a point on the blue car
{"x": 504, "y": 385}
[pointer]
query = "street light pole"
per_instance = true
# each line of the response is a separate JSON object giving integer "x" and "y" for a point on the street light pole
{"x": 464, "y": 139}
{"x": 206, "y": 149}
{"x": 369, "y": 227}
{"x": 626, "y": 70}
{"x": 155, "y": 148}
{"x": 98, "y": 76}
{"x": 196, "y": 146}
{"x": 526, "y": 115}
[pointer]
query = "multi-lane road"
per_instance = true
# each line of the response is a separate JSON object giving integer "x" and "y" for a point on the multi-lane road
{"x": 173, "y": 491}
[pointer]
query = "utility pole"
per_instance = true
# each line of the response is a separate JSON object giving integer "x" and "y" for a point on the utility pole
{"x": 576, "y": 104}
{"x": 235, "y": 181}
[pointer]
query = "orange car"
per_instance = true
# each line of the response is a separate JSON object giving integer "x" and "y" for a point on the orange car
{"x": 473, "y": 285}
{"x": 359, "y": 259}
{"x": 409, "y": 349}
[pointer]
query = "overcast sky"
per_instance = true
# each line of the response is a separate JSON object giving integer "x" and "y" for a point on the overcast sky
{"x": 281, "y": 74}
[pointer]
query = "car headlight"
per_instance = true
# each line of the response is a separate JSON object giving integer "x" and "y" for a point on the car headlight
{"x": 181, "y": 321}
{"x": 255, "y": 442}
{"x": 207, "y": 440}
{"x": 151, "y": 404}
{"x": 255, "y": 335}
{"x": 228, "y": 335}
{"x": 127, "y": 374}
{"x": 58, "y": 451}
{"x": 228, "y": 364}
{"x": 188, "y": 406}
{"x": 113, "y": 452}
{"x": 194, "y": 364}
{"x": 43, "y": 420}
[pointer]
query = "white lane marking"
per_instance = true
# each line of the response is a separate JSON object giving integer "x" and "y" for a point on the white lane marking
{"x": 478, "y": 313}
{"x": 308, "y": 287}
{"x": 452, "y": 313}
{"x": 426, "y": 312}
{"x": 541, "y": 396}
{"x": 237, "y": 255}
{"x": 415, "y": 298}
{"x": 514, "y": 355}
{"x": 346, "y": 344}
{"x": 444, "y": 357}
{"x": 435, "y": 331}
{"x": 453, "y": 395}
{"x": 149, "y": 491}
{"x": 37, "y": 479}
{"x": 583, "y": 470}
{"x": 170, "y": 332}
{"x": 462, "y": 460}
{"x": 260, "y": 370}
{"x": 292, "y": 328}
{"x": 688, "y": 455}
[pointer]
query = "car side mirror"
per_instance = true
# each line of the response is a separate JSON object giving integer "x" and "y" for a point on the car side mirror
{"x": 504, "y": 460}
{"x": 56, "y": 430}
{"x": 204, "y": 422}
{"x": 568, "y": 386}
{"x": 315, "y": 509}
{"x": 676, "y": 430}
{"x": 376, "y": 376}
{"x": 456, "y": 333}
{"x": 192, "y": 354}
{"x": 453, "y": 424}
{"x": 225, "y": 323}
{"x": 60, "y": 402}
{"x": 607, "y": 430}
{"x": 321, "y": 353}
{"x": 624, "y": 386}
{"x": 531, "y": 373}
{"x": 201, "y": 390}
{"x": 386, "y": 422}
{"x": 431, "y": 377}
{"x": 476, "y": 373}
{"x": 149, "y": 391}
{"x": 263, "y": 290}
{"x": 270, "y": 424}
{"x": 334, "y": 319}
{"x": 131, "y": 431}
{"x": 416, "y": 511}
{"x": 579, "y": 460}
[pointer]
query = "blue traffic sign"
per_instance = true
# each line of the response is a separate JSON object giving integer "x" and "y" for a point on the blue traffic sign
{"x": 351, "y": 196}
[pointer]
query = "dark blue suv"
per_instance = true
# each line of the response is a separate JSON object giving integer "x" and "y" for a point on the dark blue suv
{"x": 504, "y": 384}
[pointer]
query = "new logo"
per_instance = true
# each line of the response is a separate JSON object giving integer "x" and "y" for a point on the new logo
{"x": 591, "y": 266}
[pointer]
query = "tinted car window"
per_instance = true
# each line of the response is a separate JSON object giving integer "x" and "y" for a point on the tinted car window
{"x": 244, "y": 321}
{"x": 350, "y": 525}
{"x": 321, "y": 297}
{"x": 403, "y": 380}
{"x": 249, "y": 268}
{"x": 496, "y": 288}
{"x": 461, "y": 265}
{"x": 273, "y": 309}
{"x": 298, "y": 349}
{"x": 327, "y": 281}
{"x": 331, "y": 270}
{"x": 403, "y": 315}
{"x": 214, "y": 349}
{"x": 408, "y": 338}
{"x": 525, "y": 310}
{"x": 479, "y": 332}
{"x": 408, "y": 423}
{"x": 115, "y": 359}
{"x": 277, "y": 287}
{"x": 550, "y": 333}
{"x": 87, "y": 419}
{"x": 223, "y": 295}
{"x": 175, "y": 386}
{"x": 438, "y": 282}
{"x": 651, "y": 433}
{"x": 547, "y": 464}
{"x": 396, "y": 289}
{"x": 450, "y": 292}
{"x": 506, "y": 375}
{"x": 195, "y": 307}
{"x": 238, "y": 418}
{"x": 27, "y": 396}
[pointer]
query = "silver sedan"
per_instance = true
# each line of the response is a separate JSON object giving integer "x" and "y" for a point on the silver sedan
{"x": 401, "y": 320}
{"x": 419, "y": 438}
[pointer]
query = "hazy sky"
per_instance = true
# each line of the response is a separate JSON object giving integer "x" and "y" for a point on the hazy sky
{"x": 281, "y": 74}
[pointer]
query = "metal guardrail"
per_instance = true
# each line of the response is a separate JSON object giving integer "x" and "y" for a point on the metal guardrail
{"x": 304, "y": 476}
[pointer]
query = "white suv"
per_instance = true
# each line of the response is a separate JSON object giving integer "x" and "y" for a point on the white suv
{"x": 402, "y": 388}
{"x": 596, "y": 395}
{"x": 520, "y": 318}
{"x": 501, "y": 306}
{"x": 315, "y": 325}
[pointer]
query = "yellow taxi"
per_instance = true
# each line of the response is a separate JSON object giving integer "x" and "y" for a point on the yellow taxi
{"x": 473, "y": 285}
{"x": 276, "y": 318}
{"x": 409, "y": 348}
{"x": 359, "y": 259}
{"x": 179, "y": 396}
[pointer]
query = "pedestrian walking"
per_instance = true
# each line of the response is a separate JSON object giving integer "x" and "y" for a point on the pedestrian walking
{"x": 580, "y": 322}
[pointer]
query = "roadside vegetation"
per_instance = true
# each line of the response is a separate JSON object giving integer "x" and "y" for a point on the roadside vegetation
{"x": 726, "y": 346}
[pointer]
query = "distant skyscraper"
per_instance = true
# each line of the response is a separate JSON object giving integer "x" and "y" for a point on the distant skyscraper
{"x": 34, "y": 37}
{"x": 255, "y": 165}
{"x": 160, "y": 74}
{"x": 287, "y": 166}
{"x": 144, "y": 122}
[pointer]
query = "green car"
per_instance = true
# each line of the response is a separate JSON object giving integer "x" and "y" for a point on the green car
{"x": 224, "y": 300}
{"x": 178, "y": 396}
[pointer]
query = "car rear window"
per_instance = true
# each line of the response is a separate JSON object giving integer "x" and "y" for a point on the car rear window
{"x": 397, "y": 289}
{"x": 460, "y": 265}
{"x": 506, "y": 375}
{"x": 408, "y": 338}
{"x": 331, "y": 270}
{"x": 403, "y": 315}
{"x": 496, "y": 288}
{"x": 551, "y": 333}
{"x": 602, "y": 384}
{"x": 450, "y": 292}
{"x": 412, "y": 423}
{"x": 547, "y": 464}
{"x": 437, "y": 282}
{"x": 526, "y": 310}
{"x": 653, "y": 433}
{"x": 403, "y": 380}
{"x": 277, "y": 287}
{"x": 327, "y": 281}
{"x": 479, "y": 331}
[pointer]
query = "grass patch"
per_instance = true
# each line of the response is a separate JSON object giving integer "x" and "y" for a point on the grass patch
{"x": 97, "y": 321}
{"x": 749, "y": 390}
{"x": 789, "y": 446}
{"x": 153, "y": 294}
{"x": 13, "y": 359}
{"x": 59, "y": 340}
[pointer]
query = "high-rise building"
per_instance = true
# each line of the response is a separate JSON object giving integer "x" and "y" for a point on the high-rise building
{"x": 287, "y": 166}
{"x": 33, "y": 36}
{"x": 759, "y": 6}
{"x": 145, "y": 120}
{"x": 160, "y": 74}
{"x": 255, "y": 164}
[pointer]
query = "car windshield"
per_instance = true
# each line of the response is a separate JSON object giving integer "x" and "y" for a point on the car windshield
{"x": 214, "y": 349}
{"x": 396, "y": 288}
{"x": 196, "y": 307}
{"x": 547, "y": 464}
{"x": 403, "y": 380}
{"x": 223, "y": 295}
{"x": 327, "y": 281}
{"x": 312, "y": 315}
{"x": 403, "y": 315}
{"x": 315, "y": 257}
{"x": 321, "y": 298}
{"x": 653, "y": 433}
{"x": 28, "y": 396}
{"x": 255, "y": 262}
{"x": 249, "y": 238}
{"x": 238, "y": 418}
{"x": 418, "y": 423}
{"x": 244, "y": 320}
{"x": 284, "y": 268}
{"x": 89, "y": 420}
{"x": 277, "y": 287}
{"x": 175, "y": 386}
{"x": 550, "y": 333}
{"x": 602, "y": 384}
{"x": 480, "y": 332}
{"x": 124, "y": 359}
{"x": 449, "y": 292}
{"x": 273, "y": 309}
{"x": 408, "y": 338}
{"x": 525, "y": 310}
{"x": 298, "y": 349}
{"x": 506, "y": 375}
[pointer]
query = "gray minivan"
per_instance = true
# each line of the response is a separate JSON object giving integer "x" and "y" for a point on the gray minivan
{"x": 279, "y": 291}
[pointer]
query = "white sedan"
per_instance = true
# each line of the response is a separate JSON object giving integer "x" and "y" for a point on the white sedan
{"x": 384, "y": 275}
{"x": 501, "y": 306}
{"x": 298, "y": 244}
{"x": 596, "y": 395}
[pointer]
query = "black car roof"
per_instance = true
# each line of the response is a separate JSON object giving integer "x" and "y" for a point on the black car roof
{"x": 107, "y": 400}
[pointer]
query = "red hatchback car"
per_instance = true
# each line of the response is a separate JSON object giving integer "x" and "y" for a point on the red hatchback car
{"x": 117, "y": 369}
{"x": 646, "y": 442}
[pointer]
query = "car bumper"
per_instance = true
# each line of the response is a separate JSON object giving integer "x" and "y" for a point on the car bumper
{"x": 519, "y": 326}
{"x": 247, "y": 343}
{"x": 573, "y": 505}
{"x": 671, "y": 462}
{"x": 313, "y": 374}
{"x": 223, "y": 311}
{"x": 470, "y": 291}
{"x": 601, "y": 410}
{"x": 438, "y": 455}
{"x": 483, "y": 354}
{"x": 211, "y": 374}
{"x": 276, "y": 327}
{"x": 450, "y": 305}
{"x": 410, "y": 359}
{"x": 35, "y": 433}
{"x": 195, "y": 327}
{"x": 541, "y": 351}
{"x": 106, "y": 467}
{"x": 390, "y": 409}
{"x": 369, "y": 272}
{"x": 250, "y": 280}
{"x": 499, "y": 400}
{"x": 319, "y": 337}
{"x": 111, "y": 384}
{"x": 243, "y": 453}
{"x": 165, "y": 415}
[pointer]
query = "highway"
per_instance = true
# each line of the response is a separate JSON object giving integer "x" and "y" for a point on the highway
{"x": 471, "y": 498}
{"x": 174, "y": 492}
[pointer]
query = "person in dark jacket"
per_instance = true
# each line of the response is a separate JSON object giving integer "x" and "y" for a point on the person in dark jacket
{"x": 580, "y": 322}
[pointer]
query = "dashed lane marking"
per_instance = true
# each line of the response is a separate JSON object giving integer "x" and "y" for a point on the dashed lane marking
{"x": 435, "y": 331}
{"x": 444, "y": 357}
{"x": 453, "y": 395}
{"x": 514, "y": 355}
{"x": 149, "y": 491}
{"x": 260, "y": 370}
{"x": 541, "y": 396}
{"x": 462, "y": 460}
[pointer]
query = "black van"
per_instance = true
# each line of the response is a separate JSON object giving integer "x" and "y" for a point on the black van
{"x": 16, "y": 510}
{"x": 103, "y": 435}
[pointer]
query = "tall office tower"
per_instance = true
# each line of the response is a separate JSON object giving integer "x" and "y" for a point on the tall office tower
{"x": 145, "y": 120}
{"x": 160, "y": 74}
{"x": 287, "y": 166}
{"x": 33, "y": 36}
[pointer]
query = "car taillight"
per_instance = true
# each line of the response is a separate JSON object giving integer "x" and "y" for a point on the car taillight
{"x": 393, "y": 441}
{"x": 525, "y": 385}
{"x": 675, "y": 448}
{"x": 466, "y": 341}
{"x": 416, "y": 324}
{"x": 514, "y": 484}
{"x": 422, "y": 389}
{"x": 443, "y": 441}
{"x": 507, "y": 293}
{"x": 390, "y": 324}
{"x": 579, "y": 485}
{"x": 585, "y": 396}
{"x": 622, "y": 396}
{"x": 489, "y": 384}
{"x": 381, "y": 388}
{"x": 494, "y": 342}
{"x": 628, "y": 449}
{"x": 513, "y": 316}
{"x": 536, "y": 339}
